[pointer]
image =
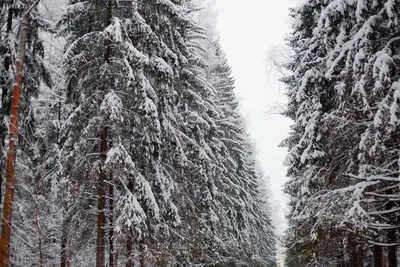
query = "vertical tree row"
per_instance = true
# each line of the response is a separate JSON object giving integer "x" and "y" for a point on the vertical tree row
{"x": 343, "y": 157}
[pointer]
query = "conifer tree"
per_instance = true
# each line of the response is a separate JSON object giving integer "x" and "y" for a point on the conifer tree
{"x": 134, "y": 150}
{"x": 238, "y": 210}
{"x": 341, "y": 96}
{"x": 149, "y": 57}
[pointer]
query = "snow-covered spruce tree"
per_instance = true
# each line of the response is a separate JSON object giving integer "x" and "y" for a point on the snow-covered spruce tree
{"x": 238, "y": 215}
{"x": 154, "y": 80}
{"x": 246, "y": 215}
{"x": 47, "y": 207}
{"x": 368, "y": 67}
{"x": 137, "y": 92}
{"x": 187, "y": 110}
{"x": 107, "y": 90}
{"x": 312, "y": 221}
{"x": 352, "y": 45}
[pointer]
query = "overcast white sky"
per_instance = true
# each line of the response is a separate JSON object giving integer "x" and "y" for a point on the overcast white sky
{"x": 248, "y": 30}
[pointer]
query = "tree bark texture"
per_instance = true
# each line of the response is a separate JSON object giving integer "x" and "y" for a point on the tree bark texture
{"x": 12, "y": 146}
{"x": 111, "y": 223}
{"x": 142, "y": 254}
{"x": 391, "y": 236}
{"x": 100, "y": 244}
{"x": 64, "y": 240}
{"x": 358, "y": 256}
{"x": 377, "y": 252}
{"x": 392, "y": 250}
{"x": 101, "y": 201}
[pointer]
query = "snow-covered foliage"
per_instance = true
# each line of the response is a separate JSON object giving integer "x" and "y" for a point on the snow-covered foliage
{"x": 343, "y": 160}
{"x": 132, "y": 147}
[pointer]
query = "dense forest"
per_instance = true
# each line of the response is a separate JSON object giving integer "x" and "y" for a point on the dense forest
{"x": 122, "y": 141}
{"x": 344, "y": 151}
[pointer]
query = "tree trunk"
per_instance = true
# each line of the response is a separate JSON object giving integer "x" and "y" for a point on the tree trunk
{"x": 142, "y": 254}
{"x": 64, "y": 240}
{"x": 377, "y": 252}
{"x": 116, "y": 258}
{"x": 100, "y": 250}
{"x": 10, "y": 16}
{"x": 59, "y": 123}
{"x": 9, "y": 27}
{"x": 40, "y": 235}
{"x": 129, "y": 252}
{"x": 12, "y": 147}
{"x": 357, "y": 256}
{"x": 111, "y": 221}
{"x": 4, "y": 92}
{"x": 101, "y": 200}
{"x": 391, "y": 235}
{"x": 392, "y": 250}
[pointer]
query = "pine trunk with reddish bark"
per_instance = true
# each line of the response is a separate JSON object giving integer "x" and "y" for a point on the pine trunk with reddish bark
{"x": 6, "y": 221}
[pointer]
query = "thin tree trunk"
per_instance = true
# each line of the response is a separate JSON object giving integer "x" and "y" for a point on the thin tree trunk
{"x": 391, "y": 236}
{"x": 12, "y": 147}
{"x": 69, "y": 207}
{"x": 392, "y": 250}
{"x": 40, "y": 236}
{"x": 64, "y": 240}
{"x": 129, "y": 252}
{"x": 7, "y": 60}
{"x": 377, "y": 252}
{"x": 59, "y": 123}
{"x": 100, "y": 249}
{"x": 9, "y": 27}
{"x": 4, "y": 92}
{"x": 111, "y": 221}
{"x": 142, "y": 254}
{"x": 116, "y": 258}
{"x": 10, "y": 16}
{"x": 101, "y": 200}
{"x": 358, "y": 256}
{"x": 383, "y": 257}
